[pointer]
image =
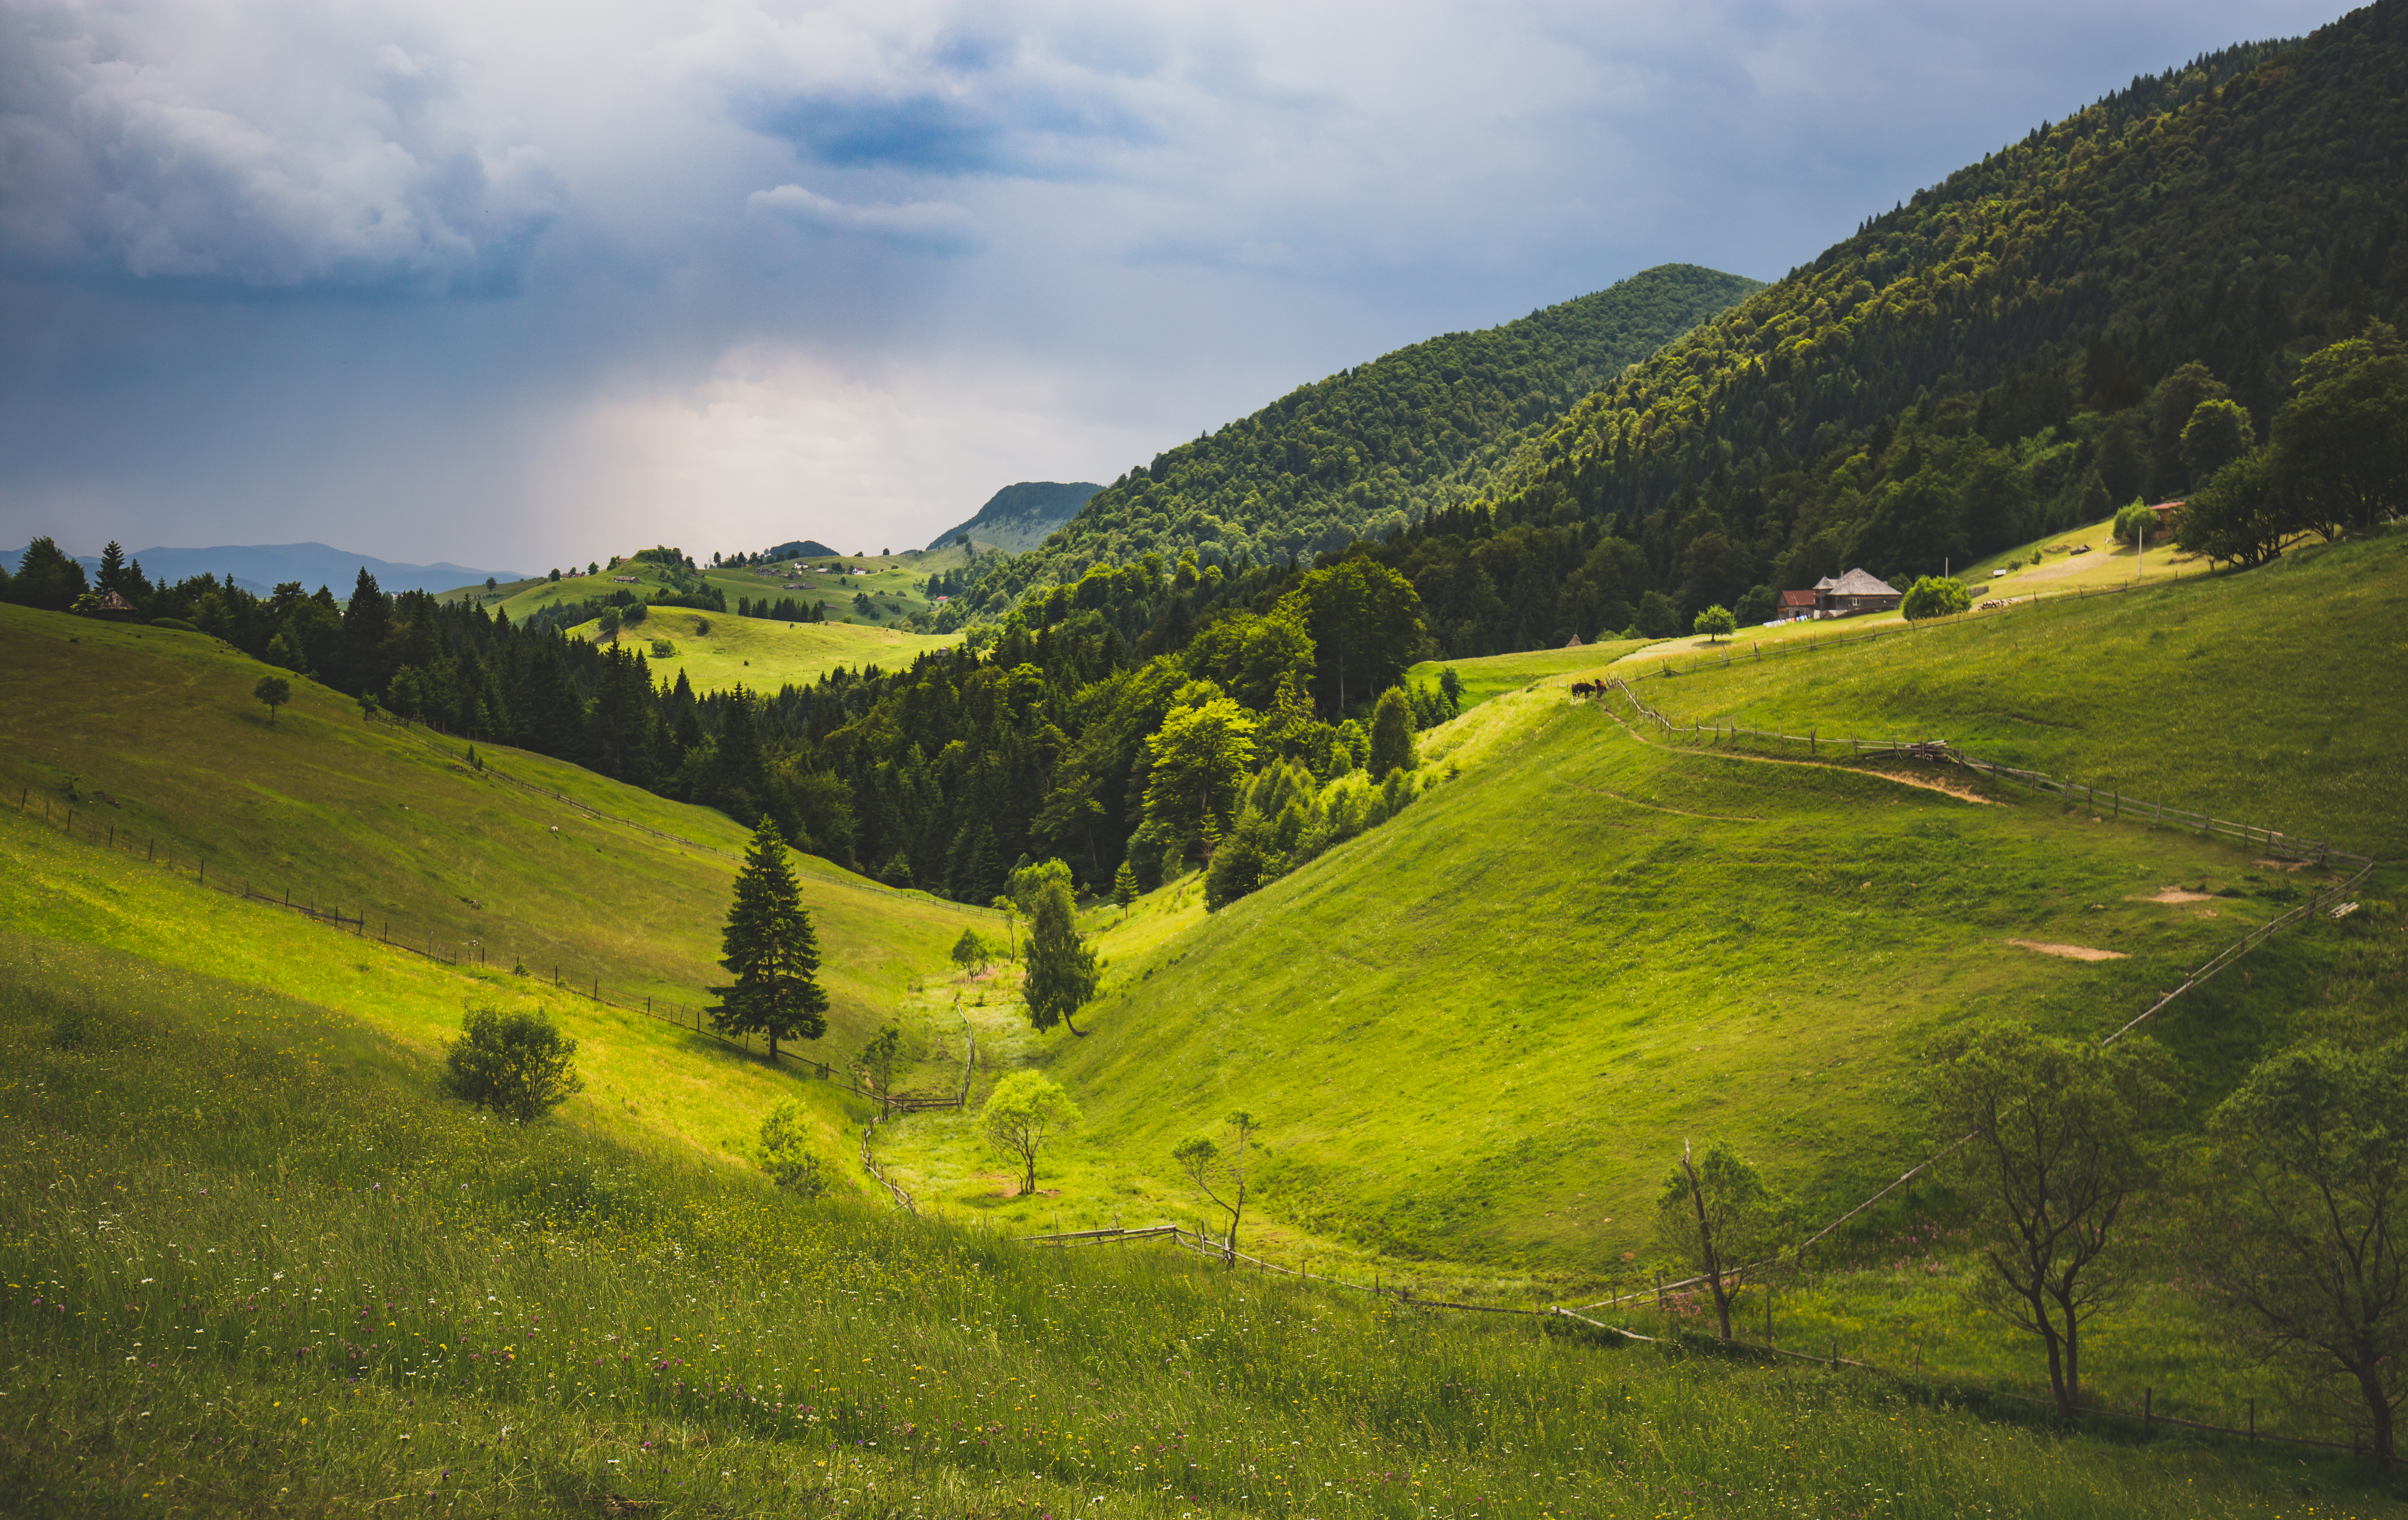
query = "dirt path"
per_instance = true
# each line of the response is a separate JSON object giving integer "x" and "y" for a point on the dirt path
{"x": 1944, "y": 788}
{"x": 2072, "y": 953}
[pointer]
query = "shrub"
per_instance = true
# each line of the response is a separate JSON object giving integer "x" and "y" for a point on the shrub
{"x": 516, "y": 1064}
{"x": 2133, "y": 523}
{"x": 1935, "y": 597}
{"x": 791, "y": 1163}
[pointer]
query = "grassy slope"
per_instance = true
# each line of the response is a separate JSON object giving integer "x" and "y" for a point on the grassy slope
{"x": 363, "y": 819}
{"x": 1522, "y": 957}
{"x": 301, "y": 1287}
{"x": 764, "y": 654}
{"x": 892, "y": 584}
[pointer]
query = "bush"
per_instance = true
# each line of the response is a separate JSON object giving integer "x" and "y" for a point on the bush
{"x": 784, "y": 1155}
{"x": 1935, "y": 597}
{"x": 2133, "y": 523}
{"x": 516, "y": 1064}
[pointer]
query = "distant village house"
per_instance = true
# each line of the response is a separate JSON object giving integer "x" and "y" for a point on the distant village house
{"x": 1858, "y": 591}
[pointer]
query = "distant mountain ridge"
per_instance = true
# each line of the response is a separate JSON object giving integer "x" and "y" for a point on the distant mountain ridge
{"x": 1372, "y": 448}
{"x": 1018, "y": 518}
{"x": 259, "y": 568}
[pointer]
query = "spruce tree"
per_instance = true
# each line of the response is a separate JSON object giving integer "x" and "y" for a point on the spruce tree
{"x": 1063, "y": 973}
{"x": 771, "y": 951}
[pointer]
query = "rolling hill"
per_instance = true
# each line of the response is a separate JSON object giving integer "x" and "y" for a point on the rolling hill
{"x": 1375, "y": 446}
{"x": 156, "y": 732}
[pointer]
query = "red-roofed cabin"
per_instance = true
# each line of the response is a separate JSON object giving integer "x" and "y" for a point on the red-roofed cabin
{"x": 1795, "y": 604}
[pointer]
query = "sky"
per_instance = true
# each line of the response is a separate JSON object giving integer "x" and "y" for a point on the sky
{"x": 529, "y": 284}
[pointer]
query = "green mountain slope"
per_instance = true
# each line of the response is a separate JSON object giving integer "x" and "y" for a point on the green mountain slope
{"x": 1371, "y": 447}
{"x": 1480, "y": 1029}
{"x": 2020, "y": 346}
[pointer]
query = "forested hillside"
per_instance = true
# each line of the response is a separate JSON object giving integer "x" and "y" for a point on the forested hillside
{"x": 2020, "y": 348}
{"x": 1371, "y": 448}
{"x": 1021, "y": 516}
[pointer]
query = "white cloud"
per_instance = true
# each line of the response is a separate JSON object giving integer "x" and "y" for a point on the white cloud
{"x": 937, "y": 226}
{"x": 780, "y": 442}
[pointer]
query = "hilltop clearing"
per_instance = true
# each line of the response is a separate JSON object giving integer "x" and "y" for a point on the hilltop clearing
{"x": 866, "y": 590}
{"x": 714, "y": 652}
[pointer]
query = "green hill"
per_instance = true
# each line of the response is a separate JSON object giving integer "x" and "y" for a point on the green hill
{"x": 1476, "y": 1029}
{"x": 155, "y": 733}
{"x": 1375, "y": 446}
{"x": 715, "y": 651}
{"x": 2020, "y": 346}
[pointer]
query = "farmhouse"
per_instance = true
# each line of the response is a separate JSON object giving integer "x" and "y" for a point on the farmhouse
{"x": 1794, "y": 604}
{"x": 1858, "y": 591}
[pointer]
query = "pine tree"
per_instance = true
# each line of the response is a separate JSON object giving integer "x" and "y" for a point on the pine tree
{"x": 1125, "y": 889}
{"x": 771, "y": 951}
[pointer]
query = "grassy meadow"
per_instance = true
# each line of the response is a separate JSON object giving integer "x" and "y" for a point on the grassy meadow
{"x": 155, "y": 732}
{"x": 760, "y": 653}
{"x": 891, "y": 582}
{"x": 248, "y": 1266}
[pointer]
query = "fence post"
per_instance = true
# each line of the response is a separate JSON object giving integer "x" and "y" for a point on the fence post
{"x": 2253, "y": 1422}
{"x": 2148, "y": 1397}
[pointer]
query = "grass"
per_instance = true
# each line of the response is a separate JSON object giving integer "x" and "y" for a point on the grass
{"x": 1479, "y": 1031}
{"x": 1495, "y": 675}
{"x": 762, "y": 654}
{"x": 297, "y": 1286}
{"x": 153, "y": 732}
{"x": 892, "y": 583}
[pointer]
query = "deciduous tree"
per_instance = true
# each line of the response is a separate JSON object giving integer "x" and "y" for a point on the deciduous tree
{"x": 275, "y": 691}
{"x": 516, "y": 1064}
{"x": 2061, "y": 1135}
{"x": 1716, "y": 1216}
{"x": 2305, "y": 1220}
{"x": 1219, "y": 1175}
{"x": 1026, "y": 1110}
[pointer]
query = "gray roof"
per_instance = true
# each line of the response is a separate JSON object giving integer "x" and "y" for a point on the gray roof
{"x": 1860, "y": 583}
